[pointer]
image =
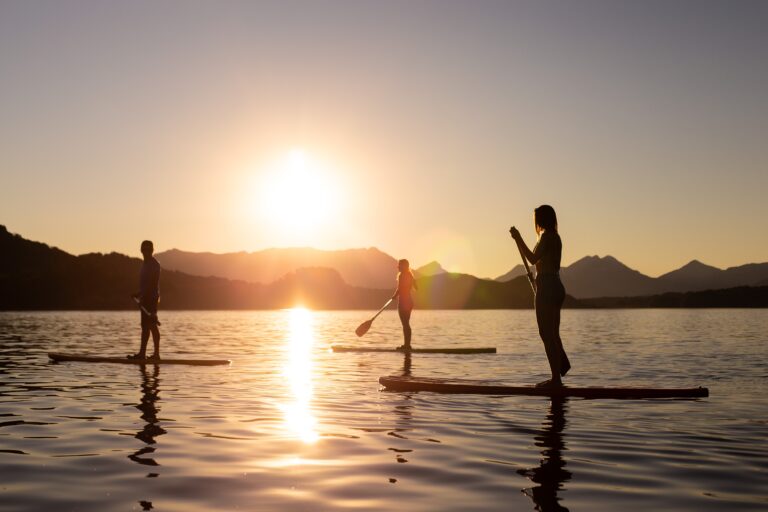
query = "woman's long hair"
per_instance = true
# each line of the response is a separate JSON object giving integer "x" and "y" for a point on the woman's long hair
{"x": 403, "y": 266}
{"x": 545, "y": 218}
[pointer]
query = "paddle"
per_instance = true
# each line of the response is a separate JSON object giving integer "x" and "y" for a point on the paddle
{"x": 363, "y": 327}
{"x": 528, "y": 270}
{"x": 157, "y": 320}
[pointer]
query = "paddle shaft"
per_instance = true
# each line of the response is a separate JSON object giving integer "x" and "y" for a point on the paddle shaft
{"x": 527, "y": 269}
{"x": 382, "y": 309}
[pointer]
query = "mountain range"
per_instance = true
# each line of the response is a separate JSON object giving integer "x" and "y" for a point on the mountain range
{"x": 589, "y": 277}
{"x": 34, "y": 276}
{"x": 593, "y": 276}
{"x": 369, "y": 268}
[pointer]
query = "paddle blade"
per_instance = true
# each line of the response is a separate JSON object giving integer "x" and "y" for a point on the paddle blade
{"x": 363, "y": 327}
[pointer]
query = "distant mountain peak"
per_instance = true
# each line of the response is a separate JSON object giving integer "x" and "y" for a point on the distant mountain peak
{"x": 517, "y": 270}
{"x": 430, "y": 269}
{"x": 595, "y": 260}
{"x": 696, "y": 264}
{"x": 694, "y": 269}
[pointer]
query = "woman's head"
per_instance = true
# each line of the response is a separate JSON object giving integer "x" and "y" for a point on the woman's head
{"x": 544, "y": 218}
{"x": 403, "y": 265}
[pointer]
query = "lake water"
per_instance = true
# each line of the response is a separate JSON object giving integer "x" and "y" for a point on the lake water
{"x": 292, "y": 426}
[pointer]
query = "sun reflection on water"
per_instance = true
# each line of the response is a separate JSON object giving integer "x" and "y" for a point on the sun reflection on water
{"x": 298, "y": 414}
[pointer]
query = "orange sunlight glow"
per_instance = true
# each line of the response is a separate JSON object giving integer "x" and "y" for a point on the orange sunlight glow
{"x": 298, "y": 371}
{"x": 299, "y": 194}
{"x": 453, "y": 250}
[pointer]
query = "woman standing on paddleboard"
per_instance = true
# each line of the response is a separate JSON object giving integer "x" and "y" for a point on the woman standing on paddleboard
{"x": 405, "y": 281}
{"x": 549, "y": 290}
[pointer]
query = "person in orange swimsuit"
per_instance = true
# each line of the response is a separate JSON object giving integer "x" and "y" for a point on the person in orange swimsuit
{"x": 405, "y": 281}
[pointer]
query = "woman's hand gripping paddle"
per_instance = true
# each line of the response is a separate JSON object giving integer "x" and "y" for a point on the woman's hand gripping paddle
{"x": 363, "y": 327}
{"x": 516, "y": 234}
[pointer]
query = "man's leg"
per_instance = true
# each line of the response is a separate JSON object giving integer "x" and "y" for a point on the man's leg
{"x": 151, "y": 307}
{"x": 156, "y": 340}
{"x": 144, "y": 338}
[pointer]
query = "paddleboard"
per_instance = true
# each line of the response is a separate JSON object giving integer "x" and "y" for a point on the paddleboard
{"x": 83, "y": 358}
{"x": 395, "y": 383}
{"x": 482, "y": 350}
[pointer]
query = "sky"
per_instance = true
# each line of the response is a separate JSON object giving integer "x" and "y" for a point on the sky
{"x": 423, "y": 128}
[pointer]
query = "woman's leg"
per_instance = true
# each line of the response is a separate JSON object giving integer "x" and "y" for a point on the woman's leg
{"x": 565, "y": 364}
{"x": 405, "y": 319}
{"x": 547, "y": 316}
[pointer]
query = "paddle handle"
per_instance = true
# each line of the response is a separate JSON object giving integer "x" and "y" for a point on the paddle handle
{"x": 382, "y": 309}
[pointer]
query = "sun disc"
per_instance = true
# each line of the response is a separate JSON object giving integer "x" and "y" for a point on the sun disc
{"x": 299, "y": 194}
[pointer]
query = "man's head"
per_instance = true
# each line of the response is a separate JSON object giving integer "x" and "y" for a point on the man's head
{"x": 147, "y": 248}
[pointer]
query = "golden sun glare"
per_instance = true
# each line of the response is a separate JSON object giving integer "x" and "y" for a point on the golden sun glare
{"x": 299, "y": 417}
{"x": 299, "y": 194}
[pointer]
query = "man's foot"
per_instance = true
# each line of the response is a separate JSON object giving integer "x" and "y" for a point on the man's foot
{"x": 137, "y": 356}
{"x": 154, "y": 357}
{"x": 549, "y": 384}
{"x": 404, "y": 348}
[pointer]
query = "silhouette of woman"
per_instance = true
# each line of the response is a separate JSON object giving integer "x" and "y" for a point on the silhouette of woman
{"x": 550, "y": 292}
{"x": 405, "y": 281}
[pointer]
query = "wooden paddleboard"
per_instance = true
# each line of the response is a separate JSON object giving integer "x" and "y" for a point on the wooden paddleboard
{"x": 482, "y": 350}
{"x": 83, "y": 358}
{"x": 395, "y": 383}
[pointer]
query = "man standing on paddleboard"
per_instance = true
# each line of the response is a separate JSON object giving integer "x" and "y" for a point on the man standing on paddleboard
{"x": 147, "y": 298}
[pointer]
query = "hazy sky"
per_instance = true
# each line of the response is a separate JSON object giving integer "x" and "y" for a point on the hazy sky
{"x": 423, "y": 128}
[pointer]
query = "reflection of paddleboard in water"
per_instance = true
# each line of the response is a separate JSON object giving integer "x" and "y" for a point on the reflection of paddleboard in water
{"x": 480, "y": 387}
{"x": 82, "y": 358}
{"x": 483, "y": 350}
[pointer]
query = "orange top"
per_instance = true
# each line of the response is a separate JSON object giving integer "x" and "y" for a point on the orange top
{"x": 405, "y": 282}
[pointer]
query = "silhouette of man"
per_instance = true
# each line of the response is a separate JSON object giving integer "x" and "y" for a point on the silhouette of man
{"x": 148, "y": 297}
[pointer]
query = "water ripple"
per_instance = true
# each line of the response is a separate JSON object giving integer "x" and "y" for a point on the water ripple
{"x": 292, "y": 426}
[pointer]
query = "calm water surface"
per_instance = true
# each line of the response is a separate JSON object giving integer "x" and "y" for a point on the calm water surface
{"x": 292, "y": 426}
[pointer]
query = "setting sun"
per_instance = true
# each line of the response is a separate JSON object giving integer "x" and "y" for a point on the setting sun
{"x": 298, "y": 194}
